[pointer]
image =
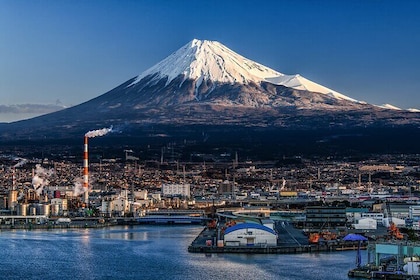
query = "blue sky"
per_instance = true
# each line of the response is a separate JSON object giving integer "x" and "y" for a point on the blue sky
{"x": 73, "y": 51}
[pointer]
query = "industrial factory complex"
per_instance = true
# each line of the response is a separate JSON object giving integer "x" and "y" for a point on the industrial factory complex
{"x": 41, "y": 190}
{"x": 287, "y": 206}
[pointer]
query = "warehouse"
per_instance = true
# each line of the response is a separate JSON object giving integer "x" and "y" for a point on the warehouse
{"x": 250, "y": 234}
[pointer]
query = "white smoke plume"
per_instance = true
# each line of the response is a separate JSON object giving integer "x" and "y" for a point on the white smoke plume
{"x": 99, "y": 132}
{"x": 78, "y": 187}
{"x": 283, "y": 185}
{"x": 40, "y": 179}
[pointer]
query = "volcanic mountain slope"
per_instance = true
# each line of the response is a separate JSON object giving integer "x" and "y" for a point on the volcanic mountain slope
{"x": 206, "y": 83}
{"x": 206, "y": 72}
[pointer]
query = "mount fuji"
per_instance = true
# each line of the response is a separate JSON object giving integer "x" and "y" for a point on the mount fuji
{"x": 208, "y": 64}
{"x": 205, "y": 83}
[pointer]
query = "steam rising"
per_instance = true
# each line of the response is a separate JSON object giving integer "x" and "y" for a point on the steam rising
{"x": 99, "y": 132}
{"x": 78, "y": 188}
{"x": 40, "y": 179}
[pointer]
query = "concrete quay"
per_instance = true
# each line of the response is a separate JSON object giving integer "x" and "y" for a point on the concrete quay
{"x": 206, "y": 242}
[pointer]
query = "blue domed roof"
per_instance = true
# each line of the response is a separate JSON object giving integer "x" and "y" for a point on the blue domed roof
{"x": 249, "y": 226}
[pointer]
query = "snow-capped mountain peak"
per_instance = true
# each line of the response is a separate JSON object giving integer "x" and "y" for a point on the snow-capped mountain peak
{"x": 203, "y": 60}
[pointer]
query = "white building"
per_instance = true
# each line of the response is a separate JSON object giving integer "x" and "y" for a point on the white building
{"x": 398, "y": 222}
{"x": 366, "y": 223}
{"x": 120, "y": 205}
{"x": 117, "y": 205}
{"x": 374, "y": 215}
{"x": 414, "y": 212}
{"x": 142, "y": 195}
{"x": 250, "y": 234}
{"x": 106, "y": 207}
{"x": 176, "y": 189}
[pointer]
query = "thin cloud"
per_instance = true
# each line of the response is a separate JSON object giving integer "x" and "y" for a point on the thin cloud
{"x": 30, "y": 108}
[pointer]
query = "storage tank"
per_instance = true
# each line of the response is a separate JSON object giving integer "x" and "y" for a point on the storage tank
{"x": 22, "y": 209}
{"x": 12, "y": 199}
{"x": 55, "y": 210}
{"x": 44, "y": 209}
{"x": 32, "y": 210}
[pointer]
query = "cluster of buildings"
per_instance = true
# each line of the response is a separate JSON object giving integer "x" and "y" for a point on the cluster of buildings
{"x": 117, "y": 187}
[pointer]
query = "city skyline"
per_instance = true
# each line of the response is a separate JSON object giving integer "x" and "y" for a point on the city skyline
{"x": 70, "y": 52}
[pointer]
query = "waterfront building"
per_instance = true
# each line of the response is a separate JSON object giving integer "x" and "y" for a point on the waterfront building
{"x": 106, "y": 207}
{"x": 405, "y": 255}
{"x": 250, "y": 234}
{"x": 120, "y": 206}
{"x": 320, "y": 217}
{"x": 59, "y": 207}
{"x": 397, "y": 222}
{"x": 366, "y": 224}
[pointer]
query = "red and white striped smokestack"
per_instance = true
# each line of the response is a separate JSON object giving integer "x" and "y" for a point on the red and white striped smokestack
{"x": 90, "y": 134}
{"x": 86, "y": 170}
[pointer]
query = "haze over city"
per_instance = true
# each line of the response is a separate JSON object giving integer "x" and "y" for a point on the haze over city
{"x": 65, "y": 53}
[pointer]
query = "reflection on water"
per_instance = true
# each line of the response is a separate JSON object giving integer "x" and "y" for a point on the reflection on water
{"x": 149, "y": 252}
{"x": 127, "y": 234}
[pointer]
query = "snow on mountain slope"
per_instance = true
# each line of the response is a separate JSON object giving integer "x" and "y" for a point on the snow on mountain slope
{"x": 413, "y": 110}
{"x": 389, "y": 106}
{"x": 203, "y": 60}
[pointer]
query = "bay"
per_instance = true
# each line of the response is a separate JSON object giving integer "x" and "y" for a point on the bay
{"x": 150, "y": 252}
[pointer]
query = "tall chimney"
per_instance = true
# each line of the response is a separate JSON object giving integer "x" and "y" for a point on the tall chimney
{"x": 86, "y": 171}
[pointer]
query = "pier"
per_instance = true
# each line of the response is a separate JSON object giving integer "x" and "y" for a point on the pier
{"x": 206, "y": 242}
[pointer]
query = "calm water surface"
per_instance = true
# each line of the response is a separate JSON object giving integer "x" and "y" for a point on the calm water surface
{"x": 149, "y": 252}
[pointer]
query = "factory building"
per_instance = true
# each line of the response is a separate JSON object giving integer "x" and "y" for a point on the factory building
{"x": 378, "y": 217}
{"x": 59, "y": 207}
{"x": 366, "y": 224}
{"x": 120, "y": 205}
{"x": 318, "y": 217}
{"x": 115, "y": 206}
{"x": 250, "y": 234}
{"x": 176, "y": 189}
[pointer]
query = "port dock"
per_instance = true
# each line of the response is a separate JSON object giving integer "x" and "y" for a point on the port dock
{"x": 392, "y": 259}
{"x": 288, "y": 243}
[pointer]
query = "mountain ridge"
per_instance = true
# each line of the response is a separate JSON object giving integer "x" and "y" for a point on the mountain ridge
{"x": 178, "y": 92}
{"x": 204, "y": 60}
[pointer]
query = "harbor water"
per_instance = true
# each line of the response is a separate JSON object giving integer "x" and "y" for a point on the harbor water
{"x": 150, "y": 252}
